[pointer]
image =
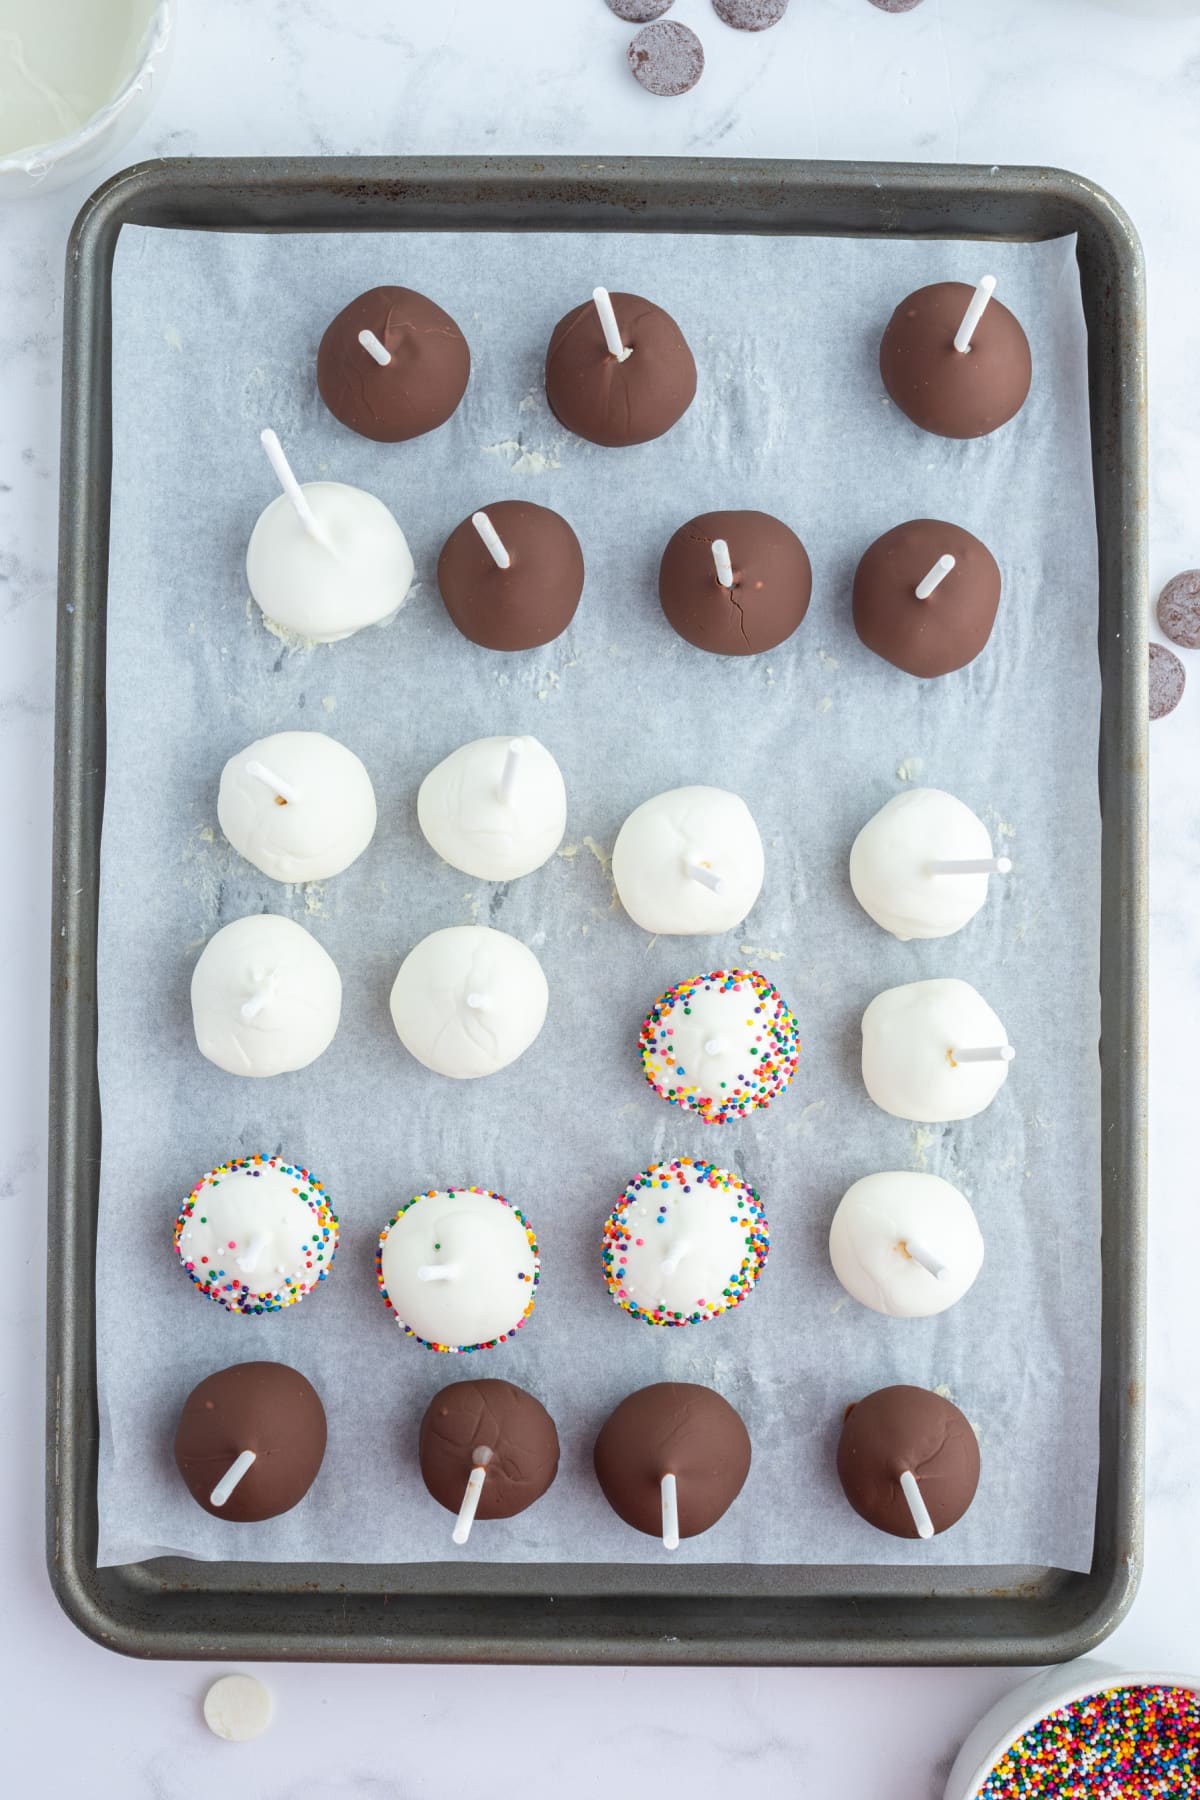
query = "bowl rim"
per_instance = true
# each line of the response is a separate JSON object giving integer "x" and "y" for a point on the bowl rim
{"x": 35, "y": 159}
{"x": 1067, "y": 1695}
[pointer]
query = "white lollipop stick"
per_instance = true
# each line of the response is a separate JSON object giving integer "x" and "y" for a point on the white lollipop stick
{"x": 707, "y": 877}
{"x": 283, "y": 789}
{"x": 248, "y": 1262}
{"x": 935, "y": 577}
{"x": 470, "y": 1499}
{"x": 479, "y": 1002}
{"x": 672, "y": 1260}
{"x": 492, "y": 539}
{"x": 373, "y": 347}
{"x": 265, "y": 992}
{"x": 438, "y": 1272}
{"x": 289, "y": 484}
{"x": 974, "y": 312}
{"x": 927, "y": 1259}
{"x": 715, "y": 1047}
{"x": 230, "y": 1478}
{"x": 609, "y": 326}
{"x": 916, "y": 1504}
{"x": 670, "y": 1513}
{"x": 990, "y": 1053}
{"x": 973, "y": 865}
{"x": 508, "y": 774}
{"x": 724, "y": 567}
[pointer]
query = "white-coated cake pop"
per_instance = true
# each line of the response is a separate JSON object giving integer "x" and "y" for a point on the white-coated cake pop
{"x": 297, "y": 805}
{"x": 256, "y": 1234}
{"x": 469, "y": 1000}
{"x": 933, "y": 1051}
{"x": 266, "y": 997}
{"x": 459, "y": 1268}
{"x": 495, "y": 808}
{"x": 326, "y": 559}
{"x": 689, "y": 862}
{"x": 920, "y": 867}
{"x": 904, "y": 1244}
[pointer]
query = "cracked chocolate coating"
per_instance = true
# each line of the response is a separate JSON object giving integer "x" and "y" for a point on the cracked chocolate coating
{"x": 489, "y": 1415}
{"x": 954, "y": 393}
{"x": 772, "y": 583}
{"x": 529, "y": 603}
{"x": 421, "y": 386}
{"x": 261, "y": 1406}
{"x": 899, "y": 1428}
{"x": 619, "y": 403}
{"x": 946, "y": 631}
{"x": 673, "y": 1428}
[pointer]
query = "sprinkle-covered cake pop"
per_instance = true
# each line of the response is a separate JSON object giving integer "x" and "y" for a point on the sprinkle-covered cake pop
{"x": 392, "y": 365}
{"x": 721, "y": 1045}
{"x": 495, "y": 808}
{"x": 250, "y": 1441}
{"x": 686, "y": 1242}
{"x": 908, "y": 1461}
{"x": 459, "y": 1269}
{"x": 256, "y": 1234}
{"x": 689, "y": 862}
{"x": 933, "y": 1051}
{"x": 905, "y": 1244}
{"x": 469, "y": 1000}
{"x": 672, "y": 1459}
{"x": 956, "y": 360}
{"x": 266, "y": 997}
{"x": 921, "y": 866}
{"x": 488, "y": 1450}
{"x": 619, "y": 370}
{"x": 298, "y": 805}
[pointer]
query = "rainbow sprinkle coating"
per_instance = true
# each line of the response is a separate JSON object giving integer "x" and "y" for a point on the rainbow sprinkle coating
{"x": 1128, "y": 1743}
{"x": 769, "y": 1040}
{"x": 532, "y": 1276}
{"x": 309, "y": 1263}
{"x": 631, "y": 1218}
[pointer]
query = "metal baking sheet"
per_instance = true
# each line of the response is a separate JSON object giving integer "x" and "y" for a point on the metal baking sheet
{"x": 456, "y": 1603}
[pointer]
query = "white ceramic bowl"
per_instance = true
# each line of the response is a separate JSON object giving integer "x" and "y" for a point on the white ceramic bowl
{"x": 45, "y": 166}
{"x": 1014, "y": 1714}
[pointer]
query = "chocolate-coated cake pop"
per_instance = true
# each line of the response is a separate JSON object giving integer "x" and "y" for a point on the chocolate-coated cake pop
{"x": 950, "y": 624}
{"x": 419, "y": 384}
{"x": 494, "y": 1426}
{"x": 267, "y": 1418}
{"x": 908, "y": 1432}
{"x": 955, "y": 393}
{"x": 621, "y": 398}
{"x": 679, "y": 1429}
{"x": 522, "y": 602}
{"x": 735, "y": 583}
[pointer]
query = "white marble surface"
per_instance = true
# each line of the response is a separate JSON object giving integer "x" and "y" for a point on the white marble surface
{"x": 1067, "y": 82}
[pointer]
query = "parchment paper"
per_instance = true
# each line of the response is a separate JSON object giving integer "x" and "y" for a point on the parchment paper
{"x": 214, "y": 337}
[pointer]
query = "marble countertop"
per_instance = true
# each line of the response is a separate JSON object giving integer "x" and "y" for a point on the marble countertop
{"x": 1066, "y": 82}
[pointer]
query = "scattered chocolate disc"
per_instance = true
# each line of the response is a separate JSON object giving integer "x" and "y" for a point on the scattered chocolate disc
{"x": 954, "y": 393}
{"x": 666, "y": 58}
{"x": 952, "y": 625}
{"x": 895, "y": 6}
{"x": 417, "y": 389}
{"x": 1179, "y": 609}
{"x": 530, "y": 602}
{"x": 772, "y": 583}
{"x": 639, "y": 12}
{"x": 514, "y": 1429}
{"x": 264, "y": 1408}
{"x": 1167, "y": 677}
{"x": 750, "y": 15}
{"x": 673, "y": 1428}
{"x": 612, "y": 400}
{"x": 899, "y": 1430}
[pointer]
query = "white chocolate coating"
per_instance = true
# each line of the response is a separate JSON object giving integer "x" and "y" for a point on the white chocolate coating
{"x": 476, "y": 826}
{"x": 325, "y": 592}
{"x": 689, "y": 826}
{"x": 431, "y": 998}
{"x": 890, "y": 865}
{"x": 875, "y": 1223}
{"x": 491, "y": 1266}
{"x": 908, "y": 1035}
{"x": 324, "y": 822}
{"x": 256, "y": 1235}
{"x": 284, "y": 979}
